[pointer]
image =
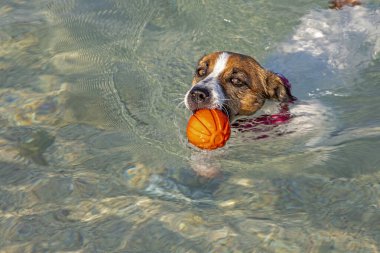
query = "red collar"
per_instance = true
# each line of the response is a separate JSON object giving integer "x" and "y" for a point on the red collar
{"x": 250, "y": 124}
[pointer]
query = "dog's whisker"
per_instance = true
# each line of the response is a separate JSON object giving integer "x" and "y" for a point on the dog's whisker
{"x": 179, "y": 98}
{"x": 225, "y": 99}
{"x": 181, "y": 103}
{"x": 224, "y": 109}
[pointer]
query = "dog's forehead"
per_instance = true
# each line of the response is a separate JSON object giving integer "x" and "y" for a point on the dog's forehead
{"x": 220, "y": 61}
{"x": 241, "y": 61}
{"x": 209, "y": 58}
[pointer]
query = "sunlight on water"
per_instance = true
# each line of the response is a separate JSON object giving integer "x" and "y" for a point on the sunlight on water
{"x": 93, "y": 152}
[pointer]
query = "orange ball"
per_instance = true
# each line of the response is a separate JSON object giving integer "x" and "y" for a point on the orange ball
{"x": 208, "y": 129}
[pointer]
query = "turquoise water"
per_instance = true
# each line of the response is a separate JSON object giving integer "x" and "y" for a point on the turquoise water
{"x": 93, "y": 152}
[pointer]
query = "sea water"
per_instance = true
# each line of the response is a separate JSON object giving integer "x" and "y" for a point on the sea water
{"x": 93, "y": 152}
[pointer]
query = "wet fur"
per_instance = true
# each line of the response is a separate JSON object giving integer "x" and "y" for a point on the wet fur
{"x": 258, "y": 84}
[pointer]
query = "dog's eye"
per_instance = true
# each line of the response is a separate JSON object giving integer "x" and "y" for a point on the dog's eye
{"x": 201, "y": 72}
{"x": 237, "y": 82}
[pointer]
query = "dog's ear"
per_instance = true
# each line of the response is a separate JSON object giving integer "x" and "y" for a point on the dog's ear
{"x": 278, "y": 88}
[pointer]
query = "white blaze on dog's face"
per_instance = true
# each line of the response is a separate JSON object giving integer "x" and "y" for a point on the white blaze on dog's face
{"x": 207, "y": 91}
{"x": 233, "y": 82}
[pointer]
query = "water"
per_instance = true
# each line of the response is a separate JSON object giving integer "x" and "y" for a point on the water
{"x": 93, "y": 153}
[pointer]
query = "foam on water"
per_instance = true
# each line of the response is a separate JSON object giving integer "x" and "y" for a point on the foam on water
{"x": 329, "y": 48}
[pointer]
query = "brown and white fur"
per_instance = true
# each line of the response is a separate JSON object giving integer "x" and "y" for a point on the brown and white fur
{"x": 235, "y": 83}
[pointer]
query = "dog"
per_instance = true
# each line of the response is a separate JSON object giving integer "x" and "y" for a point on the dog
{"x": 252, "y": 94}
{"x": 238, "y": 84}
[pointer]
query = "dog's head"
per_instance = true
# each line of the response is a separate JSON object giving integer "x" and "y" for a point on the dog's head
{"x": 234, "y": 83}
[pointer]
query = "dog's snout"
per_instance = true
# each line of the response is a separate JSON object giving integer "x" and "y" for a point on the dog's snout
{"x": 200, "y": 95}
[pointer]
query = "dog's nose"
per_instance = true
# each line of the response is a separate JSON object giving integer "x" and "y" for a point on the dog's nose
{"x": 199, "y": 95}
